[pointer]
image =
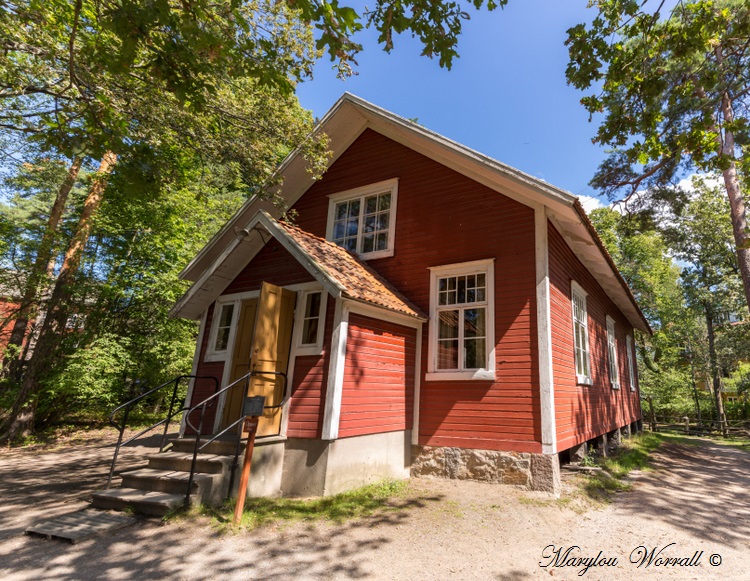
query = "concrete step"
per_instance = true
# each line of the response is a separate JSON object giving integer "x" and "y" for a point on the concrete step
{"x": 205, "y": 463}
{"x": 142, "y": 501}
{"x": 220, "y": 447}
{"x": 173, "y": 482}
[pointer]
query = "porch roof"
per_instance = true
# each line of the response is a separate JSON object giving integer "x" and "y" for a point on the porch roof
{"x": 341, "y": 273}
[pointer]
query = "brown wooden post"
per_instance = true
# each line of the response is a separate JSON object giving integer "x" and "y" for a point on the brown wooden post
{"x": 653, "y": 417}
{"x": 251, "y": 426}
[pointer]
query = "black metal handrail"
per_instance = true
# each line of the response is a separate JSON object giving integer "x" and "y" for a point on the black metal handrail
{"x": 203, "y": 405}
{"x": 127, "y": 406}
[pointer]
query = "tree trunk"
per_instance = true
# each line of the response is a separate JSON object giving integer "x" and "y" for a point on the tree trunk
{"x": 39, "y": 270}
{"x": 715, "y": 375}
{"x": 736, "y": 199}
{"x": 21, "y": 421}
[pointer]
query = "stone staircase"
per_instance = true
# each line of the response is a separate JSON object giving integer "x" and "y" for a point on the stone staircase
{"x": 161, "y": 486}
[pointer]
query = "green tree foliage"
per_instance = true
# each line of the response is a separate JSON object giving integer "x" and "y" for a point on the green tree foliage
{"x": 673, "y": 90}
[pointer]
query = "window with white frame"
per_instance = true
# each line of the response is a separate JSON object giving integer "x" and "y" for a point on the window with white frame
{"x": 631, "y": 366}
{"x": 310, "y": 323}
{"x": 581, "y": 334}
{"x": 614, "y": 375}
{"x": 462, "y": 331}
{"x": 221, "y": 331}
{"x": 363, "y": 220}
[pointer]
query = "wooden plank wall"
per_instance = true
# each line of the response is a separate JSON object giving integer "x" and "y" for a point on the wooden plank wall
{"x": 309, "y": 384}
{"x": 583, "y": 412}
{"x": 378, "y": 388}
{"x": 446, "y": 218}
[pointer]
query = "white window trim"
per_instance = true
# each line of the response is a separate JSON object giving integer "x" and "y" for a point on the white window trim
{"x": 631, "y": 362}
{"x": 299, "y": 315}
{"x": 485, "y": 374}
{"x": 377, "y": 188}
{"x": 211, "y": 353}
{"x": 612, "y": 338}
{"x": 577, "y": 289}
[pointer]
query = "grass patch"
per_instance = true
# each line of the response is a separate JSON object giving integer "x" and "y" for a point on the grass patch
{"x": 633, "y": 454}
{"x": 358, "y": 503}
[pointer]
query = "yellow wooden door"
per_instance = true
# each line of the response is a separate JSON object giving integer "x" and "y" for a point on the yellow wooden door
{"x": 272, "y": 341}
{"x": 240, "y": 360}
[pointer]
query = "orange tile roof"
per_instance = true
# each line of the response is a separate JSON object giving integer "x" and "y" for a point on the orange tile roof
{"x": 357, "y": 280}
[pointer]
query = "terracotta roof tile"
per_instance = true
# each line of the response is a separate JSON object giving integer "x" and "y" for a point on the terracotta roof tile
{"x": 357, "y": 280}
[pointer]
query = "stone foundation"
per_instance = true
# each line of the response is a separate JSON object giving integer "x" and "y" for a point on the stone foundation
{"x": 533, "y": 471}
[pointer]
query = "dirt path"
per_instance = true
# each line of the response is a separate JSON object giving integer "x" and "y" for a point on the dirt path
{"x": 698, "y": 498}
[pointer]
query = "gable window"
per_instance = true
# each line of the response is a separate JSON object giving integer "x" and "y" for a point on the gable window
{"x": 462, "y": 338}
{"x": 221, "y": 331}
{"x": 310, "y": 323}
{"x": 581, "y": 334}
{"x": 363, "y": 220}
{"x": 631, "y": 367}
{"x": 614, "y": 376}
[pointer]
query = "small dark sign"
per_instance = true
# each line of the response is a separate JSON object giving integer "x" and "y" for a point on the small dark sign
{"x": 254, "y": 406}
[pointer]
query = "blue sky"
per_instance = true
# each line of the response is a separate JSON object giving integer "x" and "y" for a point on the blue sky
{"x": 506, "y": 96}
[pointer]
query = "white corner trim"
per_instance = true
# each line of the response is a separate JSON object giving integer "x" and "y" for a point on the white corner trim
{"x": 544, "y": 333}
{"x": 417, "y": 387}
{"x": 332, "y": 412}
{"x": 194, "y": 369}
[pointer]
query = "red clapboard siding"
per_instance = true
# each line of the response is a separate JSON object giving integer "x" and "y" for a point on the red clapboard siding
{"x": 378, "y": 388}
{"x": 272, "y": 264}
{"x": 203, "y": 388}
{"x": 445, "y": 218}
{"x": 583, "y": 412}
{"x": 309, "y": 383}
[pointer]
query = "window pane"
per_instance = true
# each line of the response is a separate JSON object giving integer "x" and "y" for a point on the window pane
{"x": 461, "y": 289}
{"x": 382, "y": 241}
{"x": 371, "y": 204}
{"x": 350, "y": 244}
{"x": 310, "y": 332}
{"x": 474, "y": 323}
{"x": 368, "y": 243}
{"x": 370, "y": 223}
{"x": 226, "y": 316}
{"x": 480, "y": 296}
{"x": 480, "y": 280}
{"x": 354, "y": 209}
{"x": 384, "y": 202}
{"x": 448, "y": 324}
{"x": 447, "y": 354}
{"x": 312, "y": 305}
{"x": 383, "y": 221}
{"x": 474, "y": 353}
{"x": 341, "y": 211}
{"x": 442, "y": 284}
{"x": 352, "y": 226}
{"x": 222, "y": 339}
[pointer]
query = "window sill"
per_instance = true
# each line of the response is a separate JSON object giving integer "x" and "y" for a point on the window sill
{"x": 477, "y": 375}
{"x": 373, "y": 255}
{"x": 583, "y": 380}
{"x": 305, "y": 350}
{"x": 615, "y": 386}
{"x": 214, "y": 357}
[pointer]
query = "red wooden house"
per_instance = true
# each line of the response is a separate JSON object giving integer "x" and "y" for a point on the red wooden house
{"x": 435, "y": 312}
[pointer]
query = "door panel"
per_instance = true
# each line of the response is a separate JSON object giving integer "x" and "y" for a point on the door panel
{"x": 240, "y": 360}
{"x": 272, "y": 341}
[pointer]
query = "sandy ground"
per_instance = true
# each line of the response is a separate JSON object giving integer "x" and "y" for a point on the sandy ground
{"x": 697, "y": 498}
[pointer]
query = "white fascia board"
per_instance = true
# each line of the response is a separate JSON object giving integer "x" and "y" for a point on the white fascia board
{"x": 374, "y": 311}
{"x": 318, "y": 272}
{"x": 579, "y": 240}
{"x": 197, "y": 298}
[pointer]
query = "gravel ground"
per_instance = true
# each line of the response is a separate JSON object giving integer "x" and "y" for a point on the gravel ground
{"x": 697, "y": 497}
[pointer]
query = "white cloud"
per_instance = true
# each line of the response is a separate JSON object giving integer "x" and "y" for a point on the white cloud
{"x": 590, "y": 203}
